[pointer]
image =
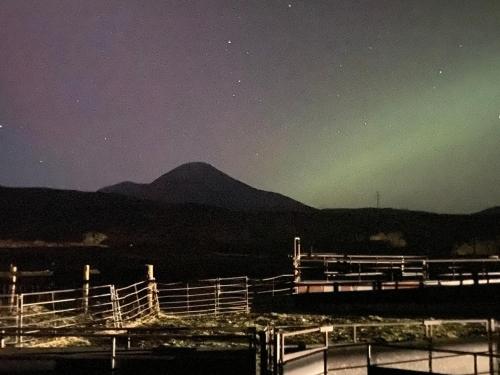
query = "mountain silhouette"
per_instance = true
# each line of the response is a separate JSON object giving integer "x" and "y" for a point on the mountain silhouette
{"x": 201, "y": 183}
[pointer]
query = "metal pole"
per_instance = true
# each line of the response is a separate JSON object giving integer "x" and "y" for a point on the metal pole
{"x": 296, "y": 262}
{"x": 12, "y": 286}
{"x": 86, "y": 288}
{"x": 491, "y": 329}
{"x": 325, "y": 355}
{"x": 113, "y": 352}
{"x": 246, "y": 295}
{"x": 20, "y": 319}
{"x": 430, "y": 358}
{"x": 151, "y": 286}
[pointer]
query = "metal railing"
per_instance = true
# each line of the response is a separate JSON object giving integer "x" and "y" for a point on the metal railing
{"x": 116, "y": 343}
{"x": 209, "y": 296}
{"x": 278, "y": 352}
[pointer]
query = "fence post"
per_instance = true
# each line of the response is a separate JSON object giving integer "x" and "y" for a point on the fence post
{"x": 19, "y": 339}
{"x": 217, "y": 292}
{"x": 187, "y": 298}
{"x": 296, "y": 263}
{"x": 12, "y": 286}
{"x": 491, "y": 330}
{"x": 430, "y": 358}
{"x": 113, "y": 352}
{"x": 153, "y": 308}
{"x": 86, "y": 288}
{"x": 246, "y": 295}
{"x": 115, "y": 305}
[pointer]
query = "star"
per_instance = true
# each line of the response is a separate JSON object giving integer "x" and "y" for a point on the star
{"x": 1, "y": 126}
{"x": 440, "y": 71}
{"x": 289, "y": 5}
{"x": 229, "y": 41}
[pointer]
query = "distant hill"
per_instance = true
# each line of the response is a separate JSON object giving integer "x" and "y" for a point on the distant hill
{"x": 489, "y": 211}
{"x": 201, "y": 183}
{"x": 192, "y": 240}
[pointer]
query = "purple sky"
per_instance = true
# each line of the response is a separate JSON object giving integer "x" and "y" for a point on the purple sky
{"x": 324, "y": 101}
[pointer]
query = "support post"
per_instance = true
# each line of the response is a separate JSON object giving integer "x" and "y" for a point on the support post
{"x": 247, "y": 310}
{"x": 12, "y": 287}
{"x": 325, "y": 355}
{"x": 491, "y": 330}
{"x": 217, "y": 295}
{"x": 20, "y": 312}
{"x": 150, "y": 277}
{"x": 113, "y": 353}
{"x": 296, "y": 263}
{"x": 86, "y": 288}
{"x": 263, "y": 352}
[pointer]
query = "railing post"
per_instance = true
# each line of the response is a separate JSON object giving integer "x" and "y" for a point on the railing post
{"x": 217, "y": 294}
{"x": 354, "y": 334}
{"x": 12, "y": 286}
{"x": 246, "y": 295}
{"x": 475, "y": 363}
{"x": 152, "y": 306}
{"x": 368, "y": 355}
{"x": 263, "y": 352}
{"x": 276, "y": 352}
{"x": 296, "y": 263}
{"x": 491, "y": 330}
{"x": 20, "y": 312}
{"x": 430, "y": 357}
{"x": 325, "y": 355}
{"x": 113, "y": 352}
{"x": 187, "y": 297}
{"x": 115, "y": 305}
{"x": 86, "y": 288}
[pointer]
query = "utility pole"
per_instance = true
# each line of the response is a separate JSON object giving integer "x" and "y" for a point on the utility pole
{"x": 378, "y": 199}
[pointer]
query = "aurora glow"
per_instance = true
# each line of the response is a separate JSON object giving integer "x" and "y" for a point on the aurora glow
{"x": 324, "y": 101}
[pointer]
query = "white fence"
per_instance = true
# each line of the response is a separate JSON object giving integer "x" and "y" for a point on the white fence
{"x": 108, "y": 306}
{"x": 210, "y": 296}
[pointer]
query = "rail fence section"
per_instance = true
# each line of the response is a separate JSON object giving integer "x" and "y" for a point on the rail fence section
{"x": 209, "y": 296}
{"x": 307, "y": 350}
{"x": 109, "y": 306}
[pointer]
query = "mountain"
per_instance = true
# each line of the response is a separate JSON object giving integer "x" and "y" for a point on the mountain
{"x": 203, "y": 184}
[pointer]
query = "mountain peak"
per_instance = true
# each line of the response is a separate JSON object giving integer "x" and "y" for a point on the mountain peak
{"x": 190, "y": 171}
{"x": 202, "y": 183}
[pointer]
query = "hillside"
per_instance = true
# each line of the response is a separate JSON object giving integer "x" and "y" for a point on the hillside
{"x": 201, "y": 183}
{"x": 198, "y": 240}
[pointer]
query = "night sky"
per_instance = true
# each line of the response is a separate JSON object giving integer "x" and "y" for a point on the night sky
{"x": 324, "y": 101}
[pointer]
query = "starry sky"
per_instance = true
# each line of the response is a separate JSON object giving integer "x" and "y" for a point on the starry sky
{"x": 324, "y": 101}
